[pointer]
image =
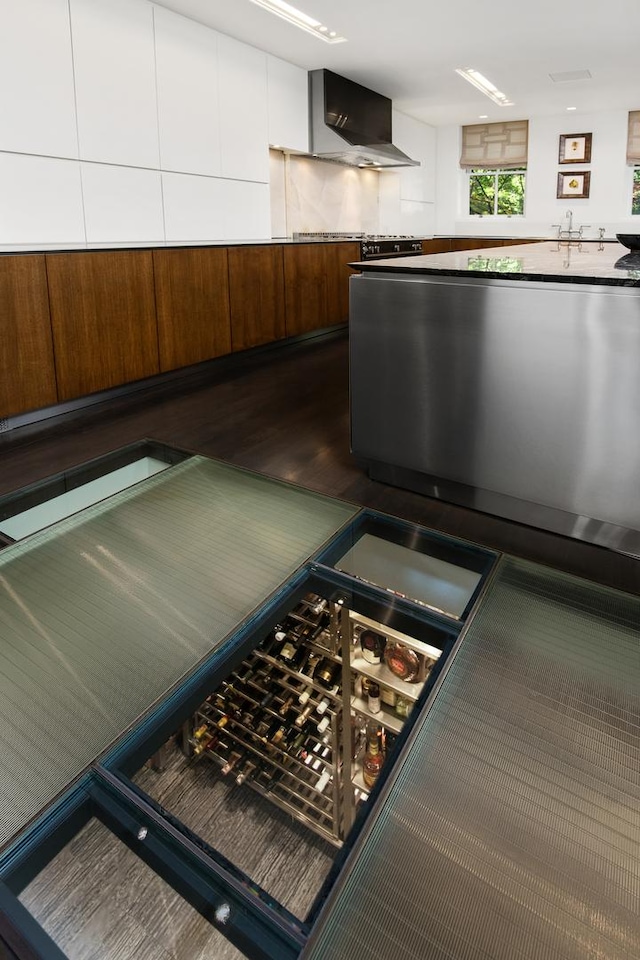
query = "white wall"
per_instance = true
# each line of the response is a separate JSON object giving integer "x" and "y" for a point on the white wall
{"x": 609, "y": 202}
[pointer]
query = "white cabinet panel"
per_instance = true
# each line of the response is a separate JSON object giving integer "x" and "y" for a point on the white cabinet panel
{"x": 208, "y": 208}
{"x": 37, "y": 109}
{"x": 115, "y": 81}
{"x": 288, "y": 102}
{"x": 246, "y": 211}
{"x": 188, "y": 110}
{"x": 122, "y": 203}
{"x": 244, "y": 131}
{"x": 40, "y": 200}
{"x": 418, "y": 140}
{"x": 193, "y": 207}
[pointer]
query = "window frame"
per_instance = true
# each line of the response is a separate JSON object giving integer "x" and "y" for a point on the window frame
{"x": 635, "y": 179}
{"x": 496, "y": 173}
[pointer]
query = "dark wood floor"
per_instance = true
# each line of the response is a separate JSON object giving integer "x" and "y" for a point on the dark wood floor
{"x": 283, "y": 412}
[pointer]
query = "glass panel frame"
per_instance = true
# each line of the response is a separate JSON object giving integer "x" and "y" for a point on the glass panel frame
{"x": 450, "y": 550}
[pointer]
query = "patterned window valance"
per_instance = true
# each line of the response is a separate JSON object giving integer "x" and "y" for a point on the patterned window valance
{"x": 633, "y": 138}
{"x": 495, "y": 145}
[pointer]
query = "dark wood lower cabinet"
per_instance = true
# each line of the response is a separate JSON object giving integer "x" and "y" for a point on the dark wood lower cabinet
{"x": 103, "y": 316}
{"x": 316, "y": 285}
{"x": 27, "y": 379}
{"x": 256, "y": 290}
{"x": 192, "y": 297}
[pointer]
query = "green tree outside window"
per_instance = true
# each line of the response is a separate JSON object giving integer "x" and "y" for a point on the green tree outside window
{"x": 496, "y": 192}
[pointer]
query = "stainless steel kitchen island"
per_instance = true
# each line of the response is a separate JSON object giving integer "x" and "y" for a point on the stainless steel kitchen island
{"x": 506, "y": 381}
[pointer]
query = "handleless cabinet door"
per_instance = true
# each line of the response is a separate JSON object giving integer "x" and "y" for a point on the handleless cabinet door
{"x": 339, "y": 255}
{"x": 438, "y": 245}
{"x": 26, "y": 349}
{"x": 317, "y": 285}
{"x": 192, "y": 293}
{"x": 305, "y": 284}
{"x": 256, "y": 290}
{"x": 103, "y": 318}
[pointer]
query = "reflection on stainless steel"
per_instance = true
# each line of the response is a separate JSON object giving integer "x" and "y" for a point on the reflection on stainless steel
{"x": 521, "y": 390}
{"x": 631, "y": 263}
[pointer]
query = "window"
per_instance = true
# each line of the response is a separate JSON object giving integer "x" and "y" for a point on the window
{"x": 635, "y": 196}
{"x": 501, "y": 192}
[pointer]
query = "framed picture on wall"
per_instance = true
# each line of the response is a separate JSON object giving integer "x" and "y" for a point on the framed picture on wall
{"x": 575, "y": 148}
{"x": 574, "y": 185}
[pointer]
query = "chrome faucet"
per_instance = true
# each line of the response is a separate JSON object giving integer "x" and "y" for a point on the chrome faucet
{"x": 568, "y": 233}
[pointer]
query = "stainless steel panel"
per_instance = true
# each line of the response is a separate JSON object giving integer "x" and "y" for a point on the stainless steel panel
{"x": 525, "y": 389}
{"x": 512, "y": 830}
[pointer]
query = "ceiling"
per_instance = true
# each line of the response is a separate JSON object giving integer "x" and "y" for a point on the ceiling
{"x": 408, "y": 50}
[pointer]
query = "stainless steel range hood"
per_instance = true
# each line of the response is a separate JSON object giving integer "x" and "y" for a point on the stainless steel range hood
{"x": 351, "y": 124}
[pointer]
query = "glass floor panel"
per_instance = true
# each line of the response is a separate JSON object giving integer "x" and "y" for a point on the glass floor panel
{"x": 98, "y": 901}
{"x": 417, "y": 576}
{"x": 105, "y": 611}
{"x": 513, "y": 827}
{"x": 44, "y": 514}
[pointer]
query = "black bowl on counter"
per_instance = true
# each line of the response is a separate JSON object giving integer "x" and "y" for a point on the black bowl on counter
{"x": 630, "y": 240}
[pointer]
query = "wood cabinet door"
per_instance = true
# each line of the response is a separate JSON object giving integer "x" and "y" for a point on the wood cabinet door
{"x": 103, "y": 319}
{"x": 192, "y": 294}
{"x": 439, "y": 245}
{"x": 339, "y": 255}
{"x": 28, "y": 379}
{"x": 256, "y": 295}
{"x": 317, "y": 285}
{"x": 305, "y": 285}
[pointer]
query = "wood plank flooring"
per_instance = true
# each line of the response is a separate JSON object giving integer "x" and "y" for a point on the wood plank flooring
{"x": 283, "y": 412}
{"x": 97, "y": 900}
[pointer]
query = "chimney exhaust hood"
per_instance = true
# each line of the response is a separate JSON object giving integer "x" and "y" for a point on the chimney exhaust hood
{"x": 351, "y": 124}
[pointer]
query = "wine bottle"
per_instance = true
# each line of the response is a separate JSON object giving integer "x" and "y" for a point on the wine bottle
{"x": 372, "y": 645}
{"x": 304, "y": 695}
{"x": 317, "y": 605}
{"x": 286, "y": 706}
{"x": 323, "y": 705}
{"x": 324, "y": 725}
{"x": 373, "y": 760}
{"x": 288, "y": 650}
{"x": 373, "y": 698}
{"x": 245, "y": 772}
{"x": 326, "y": 673}
{"x": 304, "y": 715}
{"x": 323, "y": 780}
{"x": 235, "y": 758}
{"x": 268, "y": 698}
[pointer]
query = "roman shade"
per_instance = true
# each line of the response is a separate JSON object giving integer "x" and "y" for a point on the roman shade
{"x": 495, "y": 146}
{"x": 633, "y": 138}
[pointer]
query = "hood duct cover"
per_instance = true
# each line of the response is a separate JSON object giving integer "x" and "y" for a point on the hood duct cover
{"x": 352, "y": 124}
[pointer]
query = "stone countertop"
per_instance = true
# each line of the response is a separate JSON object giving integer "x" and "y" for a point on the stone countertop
{"x": 586, "y": 262}
{"x": 14, "y": 248}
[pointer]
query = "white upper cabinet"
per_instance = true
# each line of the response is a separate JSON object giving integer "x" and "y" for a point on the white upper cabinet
{"x": 288, "y": 91}
{"x": 188, "y": 108}
{"x": 121, "y": 204}
{"x": 418, "y": 141}
{"x": 113, "y": 54}
{"x": 40, "y": 200}
{"x": 37, "y": 110}
{"x": 244, "y": 129}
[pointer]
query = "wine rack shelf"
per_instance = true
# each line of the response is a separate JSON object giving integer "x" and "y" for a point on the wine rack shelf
{"x": 287, "y": 724}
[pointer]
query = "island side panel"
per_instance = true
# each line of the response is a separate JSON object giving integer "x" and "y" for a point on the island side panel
{"x": 525, "y": 389}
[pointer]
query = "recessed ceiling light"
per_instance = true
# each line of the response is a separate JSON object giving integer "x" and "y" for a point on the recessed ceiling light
{"x": 572, "y": 108}
{"x": 299, "y": 19}
{"x": 485, "y": 86}
{"x": 483, "y": 116}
